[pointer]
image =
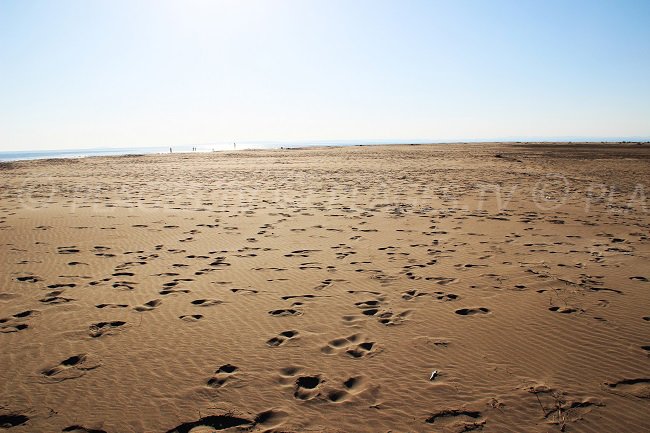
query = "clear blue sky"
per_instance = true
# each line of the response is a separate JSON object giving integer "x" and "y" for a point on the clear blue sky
{"x": 78, "y": 73}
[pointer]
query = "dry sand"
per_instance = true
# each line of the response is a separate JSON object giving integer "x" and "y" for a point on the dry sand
{"x": 318, "y": 289}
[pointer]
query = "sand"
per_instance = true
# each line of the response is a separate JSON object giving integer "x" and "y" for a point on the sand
{"x": 318, "y": 290}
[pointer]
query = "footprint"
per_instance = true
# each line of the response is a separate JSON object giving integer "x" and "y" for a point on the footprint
{"x": 6, "y": 328}
{"x": 99, "y": 329}
{"x": 287, "y": 375}
{"x": 12, "y": 420}
{"x": 460, "y": 420}
{"x": 565, "y": 310}
{"x": 80, "y": 429}
{"x": 443, "y": 281}
{"x": 212, "y": 423}
{"x": 639, "y": 388}
{"x": 412, "y": 294}
{"x": 353, "y": 346}
{"x": 206, "y": 302}
{"x": 368, "y": 308}
{"x": 191, "y": 317}
{"x": 285, "y": 312}
{"x": 148, "y": 306}
{"x": 472, "y": 311}
{"x": 54, "y": 298}
{"x": 389, "y": 318}
{"x": 111, "y": 306}
{"x": 70, "y": 368}
{"x": 307, "y": 387}
{"x": 172, "y": 291}
{"x": 124, "y": 285}
{"x": 15, "y": 323}
{"x": 282, "y": 338}
{"x": 67, "y": 250}
{"x": 222, "y": 375}
{"x": 350, "y": 388}
{"x": 29, "y": 279}
{"x": 245, "y": 291}
{"x": 442, "y": 296}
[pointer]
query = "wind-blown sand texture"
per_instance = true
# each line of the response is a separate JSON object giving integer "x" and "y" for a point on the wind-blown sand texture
{"x": 318, "y": 289}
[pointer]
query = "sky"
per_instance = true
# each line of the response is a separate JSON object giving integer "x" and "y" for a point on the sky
{"x": 124, "y": 73}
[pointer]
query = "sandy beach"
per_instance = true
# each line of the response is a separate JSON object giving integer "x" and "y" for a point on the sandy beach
{"x": 409, "y": 288}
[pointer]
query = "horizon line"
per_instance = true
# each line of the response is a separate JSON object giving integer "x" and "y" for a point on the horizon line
{"x": 375, "y": 141}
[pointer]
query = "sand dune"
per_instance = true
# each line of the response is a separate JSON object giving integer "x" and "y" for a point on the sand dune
{"x": 318, "y": 289}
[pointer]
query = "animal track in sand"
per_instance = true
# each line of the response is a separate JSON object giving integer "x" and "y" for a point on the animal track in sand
{"x": 148, "y": 306}
{"x": 70, "y": 368}
{"x": 191, "y": 317}
{"x": 355, "y": 346}
{"x": 282, "y": 338}
{"x": 472, "y": 311}
{"x": 222, "y": 375}
{"x": 99, "y": 329}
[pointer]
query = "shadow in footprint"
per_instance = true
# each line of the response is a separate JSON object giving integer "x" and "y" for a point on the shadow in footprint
{"x": 285, "y": 312}
{"x": 12, "y": 420}
{"x": 206, "y": 302}
{"x": 472, "y": 311}
{"x": 191, "y": 317}
{"x": 307, "y": 387}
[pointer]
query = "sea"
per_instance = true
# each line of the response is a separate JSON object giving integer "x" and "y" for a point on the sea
{"x": 247, "y": 145}
{"x": 18, "y": 155}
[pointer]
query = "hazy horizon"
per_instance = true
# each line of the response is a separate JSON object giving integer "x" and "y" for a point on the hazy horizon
{"x": 120, "y": 74}
{"x": 260, "y": 144}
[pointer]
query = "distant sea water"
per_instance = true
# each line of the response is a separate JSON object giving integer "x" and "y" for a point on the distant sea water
{"x": 83, "y": 153}
{"x": 246, "y": 145}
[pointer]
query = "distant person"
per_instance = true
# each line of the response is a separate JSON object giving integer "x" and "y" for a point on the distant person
{"x": 234, "y": 146}
{"x": 170, "y": 150}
